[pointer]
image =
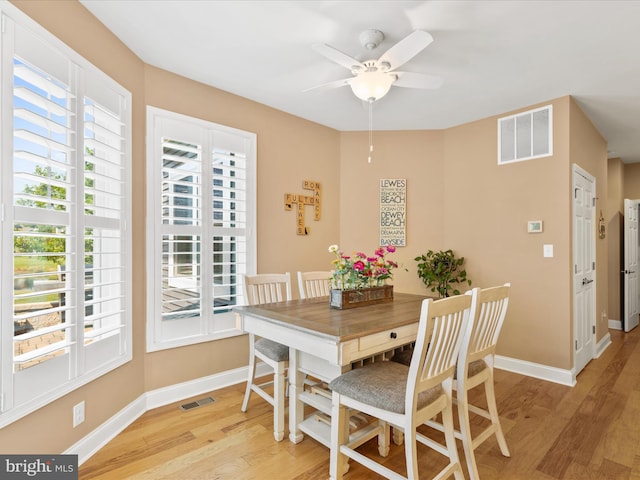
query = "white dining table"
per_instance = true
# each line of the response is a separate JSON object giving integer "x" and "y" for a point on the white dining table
{"x": 325, "y": 342}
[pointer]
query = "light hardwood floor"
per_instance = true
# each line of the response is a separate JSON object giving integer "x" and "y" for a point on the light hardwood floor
{"x": 589, "y": 431}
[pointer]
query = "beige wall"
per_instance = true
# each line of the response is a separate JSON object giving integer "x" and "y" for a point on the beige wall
{"x": 487, "y": 208}
{"x": 631, "y": 185}
{"x": 415, "y": 156}
{"x": 614, "y": 221}
{"x": 457, "y": 198}
{"x": 589, "y": 151}
{"x": 290, "y": 150}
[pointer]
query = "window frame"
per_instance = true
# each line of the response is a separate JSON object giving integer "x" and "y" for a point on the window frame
{"x": 203, "y": 327}
{"x": 21, "y": 394}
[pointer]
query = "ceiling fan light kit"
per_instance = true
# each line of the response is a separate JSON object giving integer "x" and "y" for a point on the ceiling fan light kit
{"x": 379, "y": 75}
{"x": 372, "y": 86}
{"x": 372, "y": 79}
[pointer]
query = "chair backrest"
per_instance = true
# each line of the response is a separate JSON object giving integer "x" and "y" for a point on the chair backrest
{"x": 314, "y": 284}
{"x": 488, "y": 310}
{"x": 442, "y": 325}
{"x": 267, "y": 288}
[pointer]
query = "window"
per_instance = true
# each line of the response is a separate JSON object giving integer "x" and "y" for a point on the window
{"x": 526, "y": 135}
{"x": 64, "y": 246}
{"x": 200, "y": 227}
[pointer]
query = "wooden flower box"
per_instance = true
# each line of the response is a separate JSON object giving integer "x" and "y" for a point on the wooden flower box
{"x": 343, "y": 299}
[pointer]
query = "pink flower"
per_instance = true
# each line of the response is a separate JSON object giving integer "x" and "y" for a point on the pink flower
{"x": 360, "y": 270}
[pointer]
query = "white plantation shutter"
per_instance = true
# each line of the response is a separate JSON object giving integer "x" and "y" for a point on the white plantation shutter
{"x": 231, "y": 219}
{"x": 105, "y": 283}
{"x": 181, "y": 217}
{"x": 201, "y": 204}
{"x": 65, "y": 261}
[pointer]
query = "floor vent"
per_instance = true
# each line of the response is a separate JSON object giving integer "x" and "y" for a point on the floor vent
{"x": 197, "y": 403}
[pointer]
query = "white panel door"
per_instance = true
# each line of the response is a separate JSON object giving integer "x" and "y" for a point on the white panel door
{"x": 584, "y": 268}
{"x": 631, "y": 271}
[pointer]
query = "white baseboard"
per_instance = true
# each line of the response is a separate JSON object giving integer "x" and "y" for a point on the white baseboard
{"x": 106, "y": 432}
{"x": 603, "y": 344}
{"x": 615, "y": 324}
{"x": 544, "y": 372}
{"x": 175, "y": 393}
{"x": 98, "y": 438}
{"x": 102, "y": 435}
{"x": 535, "y": 370}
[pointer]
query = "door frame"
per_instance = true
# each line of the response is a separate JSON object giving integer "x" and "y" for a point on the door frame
{"x": 577, "y": 170}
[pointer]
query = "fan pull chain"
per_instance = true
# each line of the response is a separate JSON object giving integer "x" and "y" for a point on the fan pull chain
{"x": 370, "y": 129}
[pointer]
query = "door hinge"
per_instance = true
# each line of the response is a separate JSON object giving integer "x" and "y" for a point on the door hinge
{"x": 593, "y": 201}
{"x": 575, "y": 268}
{"x": 576, "y": 344}
{"x": 593, "y": 327}
{"x": 593, "y": 265}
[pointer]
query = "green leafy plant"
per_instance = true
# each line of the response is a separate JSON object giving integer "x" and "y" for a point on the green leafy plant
{"x": 440, "y": 271}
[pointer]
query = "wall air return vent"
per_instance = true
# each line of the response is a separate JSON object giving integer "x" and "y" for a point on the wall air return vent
{"x": 525, "y": 136}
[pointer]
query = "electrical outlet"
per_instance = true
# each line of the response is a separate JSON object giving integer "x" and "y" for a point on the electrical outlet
{"x": 78, "y": 414}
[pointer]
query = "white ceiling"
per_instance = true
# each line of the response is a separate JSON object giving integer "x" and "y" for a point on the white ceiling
{"x": 494, "y": 56}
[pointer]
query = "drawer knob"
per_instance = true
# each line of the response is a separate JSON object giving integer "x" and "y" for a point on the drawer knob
{"x": 393, "y": 335}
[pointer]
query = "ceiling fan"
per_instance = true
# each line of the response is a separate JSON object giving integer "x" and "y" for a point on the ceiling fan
{"x": 372, "y": 79}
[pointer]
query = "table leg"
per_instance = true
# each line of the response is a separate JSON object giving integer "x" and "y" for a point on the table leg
{"x": 296, "y": 407}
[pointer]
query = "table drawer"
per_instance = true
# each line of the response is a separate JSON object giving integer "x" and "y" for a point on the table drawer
{"x": 389, "y": 338}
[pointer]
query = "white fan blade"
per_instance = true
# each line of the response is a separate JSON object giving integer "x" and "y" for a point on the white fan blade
{"x": 337, "y": 56}
{"x": 406, "y": 49}
{"x": 417, "y": 80}
{"x": 334, "y": 84}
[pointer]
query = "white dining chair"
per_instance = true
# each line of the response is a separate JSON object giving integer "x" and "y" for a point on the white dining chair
{"x": 475, "y": 368}
{"x": 403, "y": 396}
{"x": 314, "y": 284}
{"x": 260, "y": 289}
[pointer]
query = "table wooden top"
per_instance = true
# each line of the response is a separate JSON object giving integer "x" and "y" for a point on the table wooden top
{"x": 314, "y": 316}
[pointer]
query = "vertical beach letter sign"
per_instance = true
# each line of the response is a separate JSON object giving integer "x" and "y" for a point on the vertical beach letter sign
{"x": 393, "y": 199}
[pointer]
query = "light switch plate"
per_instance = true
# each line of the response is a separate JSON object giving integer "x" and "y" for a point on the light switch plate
{"x": 547, "y": 251}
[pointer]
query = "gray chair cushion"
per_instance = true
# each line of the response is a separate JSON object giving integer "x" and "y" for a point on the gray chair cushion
{"x": 273, "y": 350}
{"x": 382, "y": 385}
{"x": 403, "y": 357}
{"x": 474, "y": 368}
